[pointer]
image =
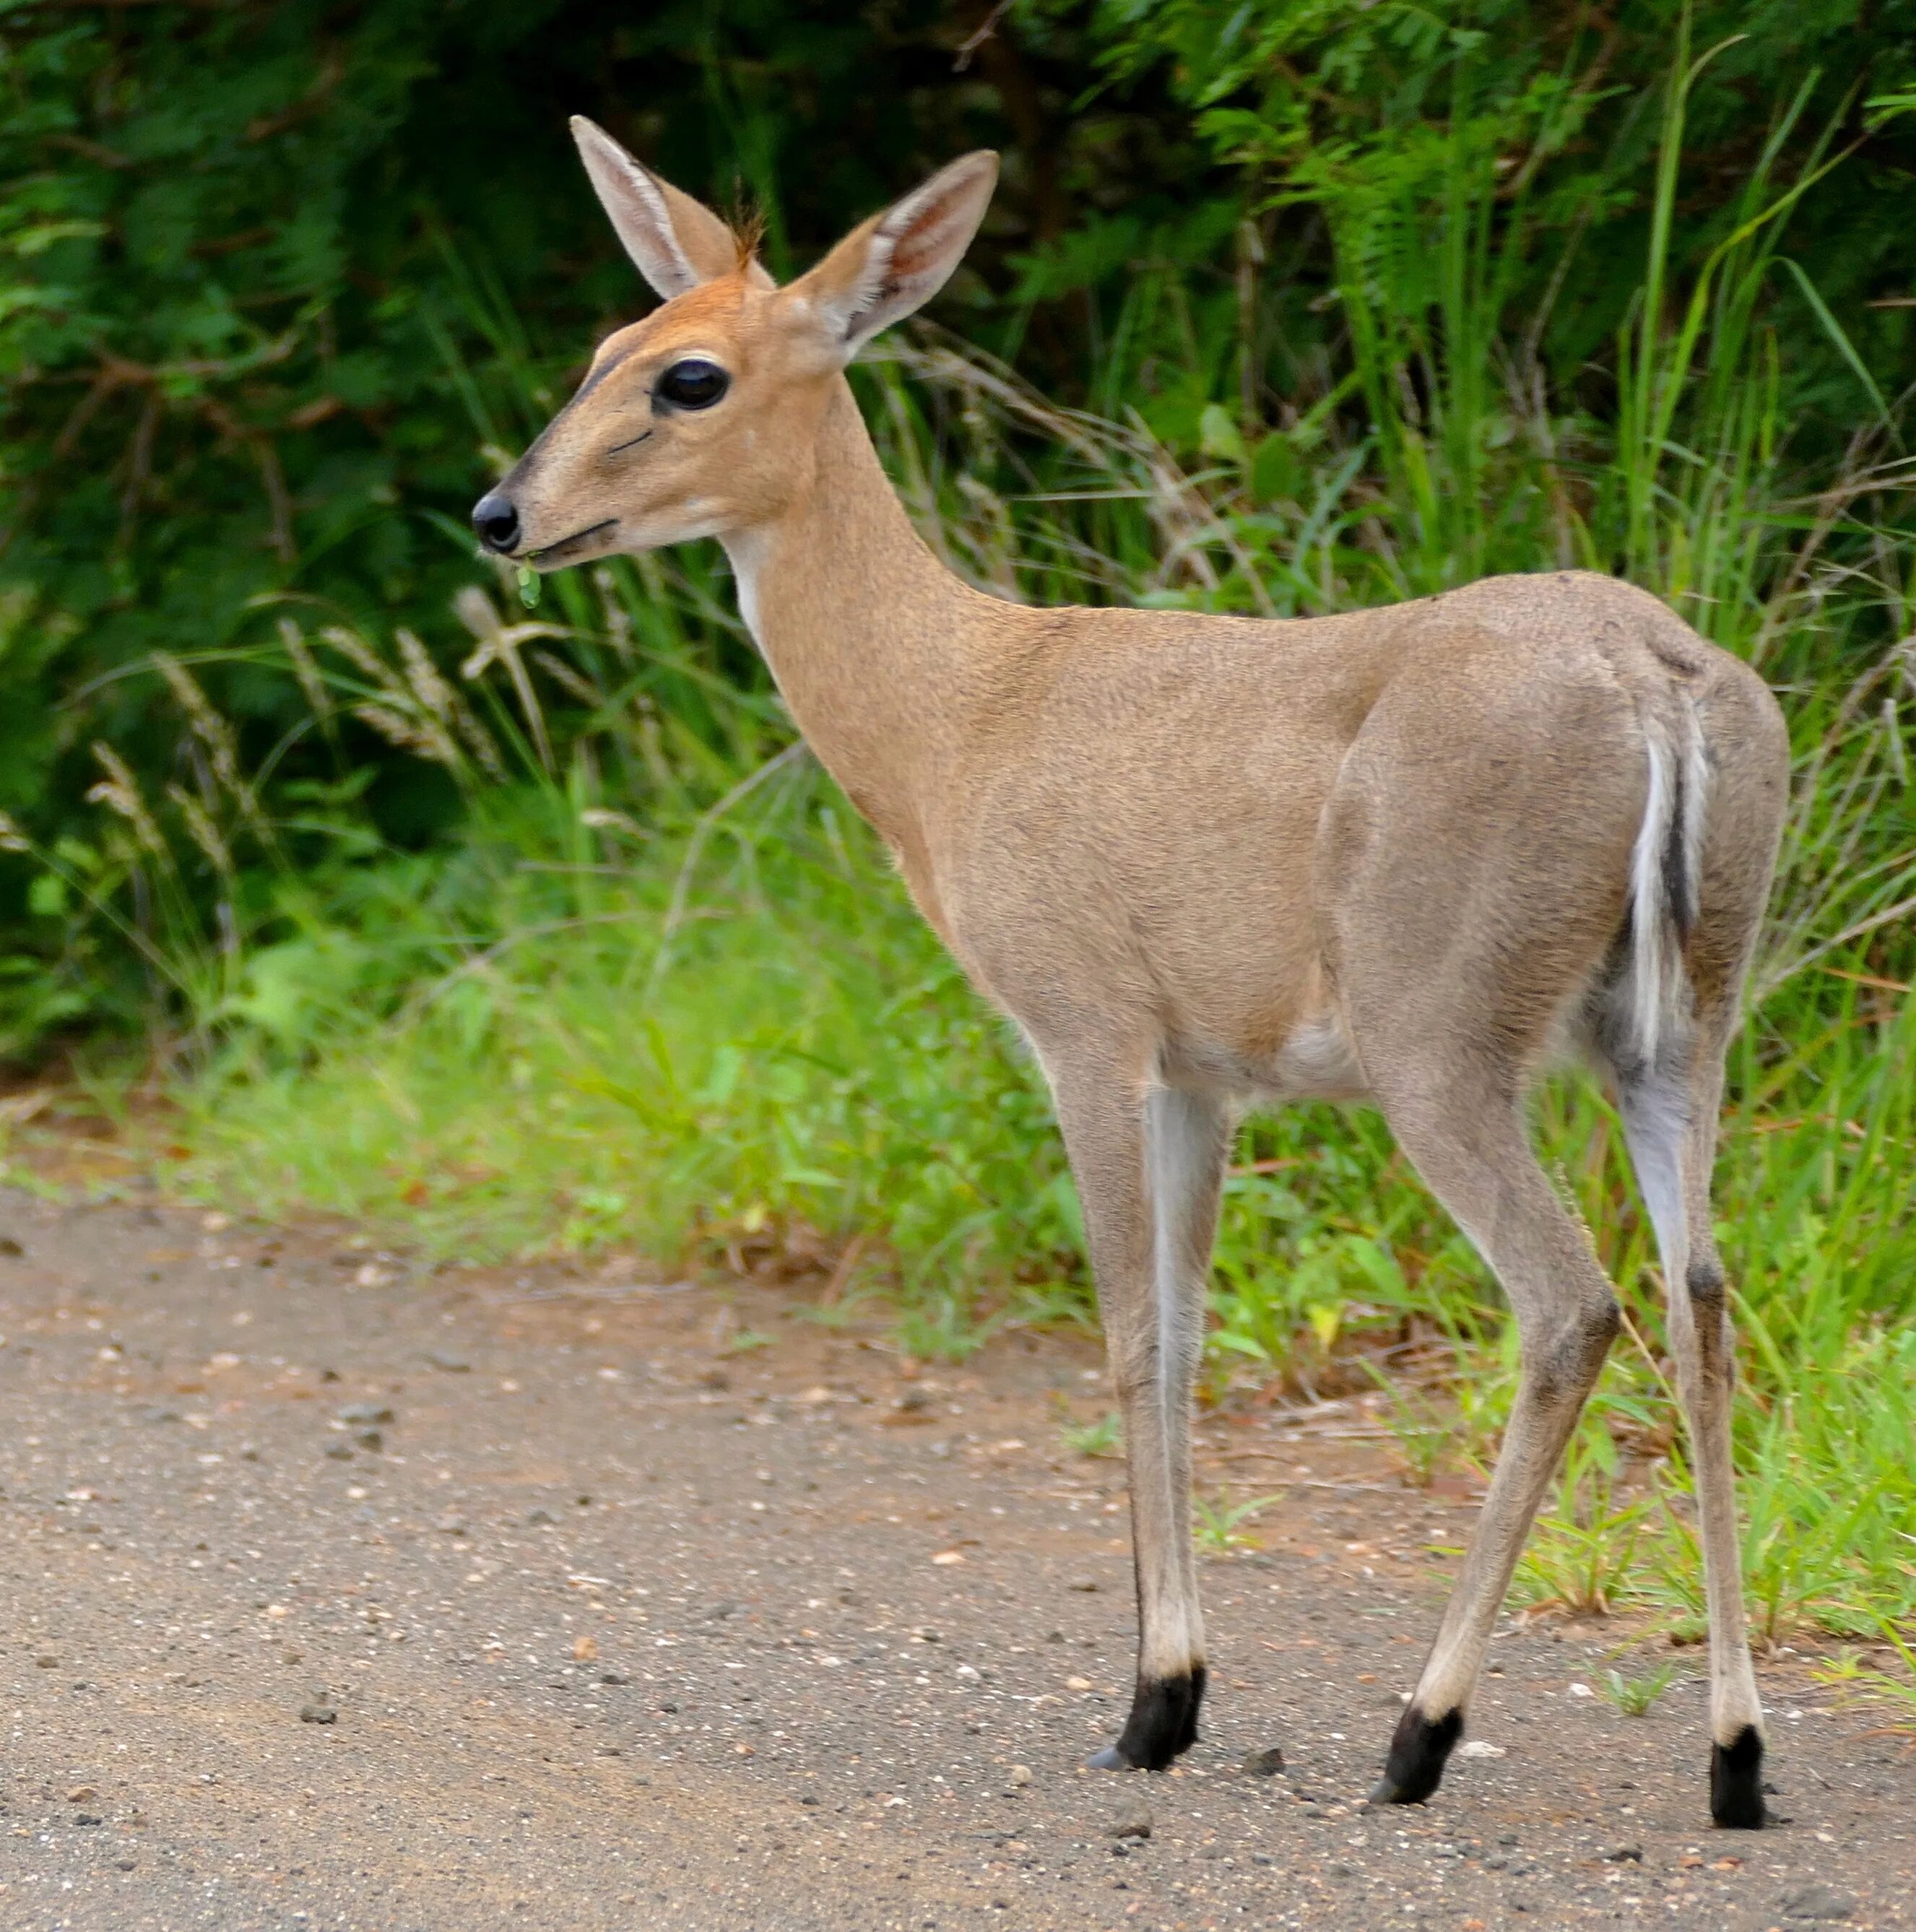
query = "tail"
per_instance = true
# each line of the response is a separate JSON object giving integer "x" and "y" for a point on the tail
{"x": 1664, "y": 872}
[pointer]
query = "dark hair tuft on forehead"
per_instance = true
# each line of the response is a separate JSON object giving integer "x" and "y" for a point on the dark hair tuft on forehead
{"x": 747, "y": 222}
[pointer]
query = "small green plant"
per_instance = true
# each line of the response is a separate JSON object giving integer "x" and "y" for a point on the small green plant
{"x": 1851, "y": 1673}
{"x": 1104, "y": 1437}
{"x": 1423, "y": 1428}
{"x": 1847, "y": 1667}
{"x": 1635, "y": 1696}
{"x": 855, "y": 1306}
{"x": 1216, "y": 1529}
{"x": 1057, "y": 1304}
{"x": 942, "y": 1327}
{"x": 1581, "y": 1556}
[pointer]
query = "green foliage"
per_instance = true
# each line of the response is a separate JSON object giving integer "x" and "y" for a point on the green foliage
{"x": 268, "y": 276}
{"x": 282, "y": 287}
{"x": 1494, "y": 165}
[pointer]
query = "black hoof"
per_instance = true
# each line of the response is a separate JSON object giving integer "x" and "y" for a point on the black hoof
{"x": 1736, "y": 1782}
{"x": 1163, "y": 1723}
{"x": 1418, "y": 1746}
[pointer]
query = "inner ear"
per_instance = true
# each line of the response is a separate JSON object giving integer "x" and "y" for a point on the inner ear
{"x": 898, "y": 261}
{"x": 675, "y": 241}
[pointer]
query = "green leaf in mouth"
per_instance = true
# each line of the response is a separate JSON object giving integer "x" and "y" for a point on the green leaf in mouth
{"x": 529, "y": 587}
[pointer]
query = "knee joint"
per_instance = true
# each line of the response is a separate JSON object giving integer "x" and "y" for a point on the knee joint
{"x": 1586, "y": 1339}
{"x": 1569, "y": 1362}
{"x": 1704, "y": 1282}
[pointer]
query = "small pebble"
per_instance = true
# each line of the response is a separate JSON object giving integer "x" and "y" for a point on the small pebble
{"x": 1821, "y": 1902}
{"x": 318, "y": 1714}
{"x": 1133, "y": 1822}
{"x": 1265, "y": 1763}
{"x": 365, "y": 1415}
{"x": 1018, "y": 1776}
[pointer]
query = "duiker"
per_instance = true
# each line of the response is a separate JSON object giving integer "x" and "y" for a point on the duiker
{"x": 1401, "y": 855}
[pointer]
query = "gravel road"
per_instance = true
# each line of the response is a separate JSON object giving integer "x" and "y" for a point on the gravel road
{"x": 340, "y": 1596}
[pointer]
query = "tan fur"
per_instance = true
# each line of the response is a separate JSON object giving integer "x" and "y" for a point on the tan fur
{"x": 1208, "y": 861}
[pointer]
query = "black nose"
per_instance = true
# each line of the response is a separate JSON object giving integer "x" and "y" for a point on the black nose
{"x": 497, "y": 522}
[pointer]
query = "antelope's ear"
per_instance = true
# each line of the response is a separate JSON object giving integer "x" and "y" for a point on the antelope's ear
{"x": 899, "y": 260}
{"x": 675, "y": 242}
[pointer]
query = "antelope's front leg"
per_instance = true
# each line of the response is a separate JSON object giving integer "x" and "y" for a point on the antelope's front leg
{"x": 1148, "y": 1162}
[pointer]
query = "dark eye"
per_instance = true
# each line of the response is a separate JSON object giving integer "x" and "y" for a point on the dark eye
{"x": 693, "y": 384}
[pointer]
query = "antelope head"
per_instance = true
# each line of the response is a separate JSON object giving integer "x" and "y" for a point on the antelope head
{"x": 701, "y": 420}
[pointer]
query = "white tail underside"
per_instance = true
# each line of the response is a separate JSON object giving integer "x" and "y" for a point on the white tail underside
{"x": 1672, "y": 815}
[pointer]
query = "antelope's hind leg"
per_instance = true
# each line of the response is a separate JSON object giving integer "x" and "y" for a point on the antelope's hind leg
{"x": 1474, "y": 874}
{"x": 1149, "y": 1162}
{"x": 1670, "y": 1120}
{"x": 1467, "y": 1137}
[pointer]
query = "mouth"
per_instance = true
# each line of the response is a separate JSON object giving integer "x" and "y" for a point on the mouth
{"x": 555, "y": 553}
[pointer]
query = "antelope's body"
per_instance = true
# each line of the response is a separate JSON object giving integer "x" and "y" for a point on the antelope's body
{"x": 1408, "y": 855}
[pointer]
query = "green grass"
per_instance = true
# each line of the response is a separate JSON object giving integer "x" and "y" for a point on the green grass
{"x": 1637, "y": 1697}
{"x": 1103, "y": 1437}
{"x": 563, "y": 1088}
{"x": 1218, "y": 1526}
{"x": 1890, "y": 1680}
{"x": 664, "y": 994}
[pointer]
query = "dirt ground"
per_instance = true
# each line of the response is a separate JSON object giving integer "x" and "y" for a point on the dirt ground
{"x": 340, "y": 1596}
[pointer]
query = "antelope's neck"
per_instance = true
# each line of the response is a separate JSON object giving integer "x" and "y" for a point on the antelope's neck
{"x": 873, "y": 642}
